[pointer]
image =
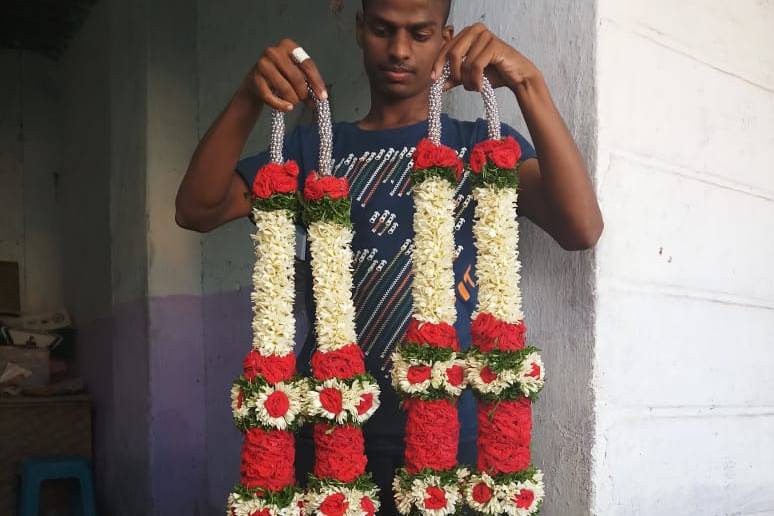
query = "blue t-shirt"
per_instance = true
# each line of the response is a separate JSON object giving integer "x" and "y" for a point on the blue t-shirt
{"x": 377, "y": 165}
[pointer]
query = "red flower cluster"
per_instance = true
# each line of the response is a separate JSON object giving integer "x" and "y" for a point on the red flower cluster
{"x": 441, "y": 335}
{"x": 277, "y": 404}
{"x": 334, "y": 505}
{"x": 524, "y": 498}
{"x": 339, "y": 452}
{"x": 504, "y": 429}
{"x": 436, "y": 498}
{"x": 503, "y": 153}
{"x": 272, "y": 368}
{"x": 490, "y": 333}
{"x": 482, "y": 493}
{"x": 276, "y": 178}
{"x": 432, "y": 432}
{"x": 316, "y": 187}
{"x": 429, "y": 155}
{"x": 267, "y": 459}
{"x": 368, "y": 506}
{"x": 342, "y": 363}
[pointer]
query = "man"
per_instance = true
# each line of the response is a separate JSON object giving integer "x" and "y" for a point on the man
{"x": 405, "y": 44}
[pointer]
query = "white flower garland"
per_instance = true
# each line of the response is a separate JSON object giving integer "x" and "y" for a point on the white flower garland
{"x": 438, "y": 374}
{"x": 353, "y": 496}
{"x": 497, "y": 266}
{"x": 433, "y": 255}
{"x": 407, "y": 500}
{"x": 253, "y": 404}
{"x": 273, "y": 291}
{"x": 503, "y": 495}
{"x": 332, "y": 285}
{"x": 352, "y": 391}
{"x": 529, "y": 375}
{"x": 248, "y": 506}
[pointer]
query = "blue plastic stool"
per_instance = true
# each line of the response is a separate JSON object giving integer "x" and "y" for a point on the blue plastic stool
{"x": 35, "y": 471}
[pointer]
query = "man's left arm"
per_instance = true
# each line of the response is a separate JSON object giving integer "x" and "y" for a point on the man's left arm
{"x": 555, "y": 191}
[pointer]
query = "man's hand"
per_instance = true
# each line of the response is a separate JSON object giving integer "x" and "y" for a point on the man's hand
{"x": 475, "y": 51}
{"x": 277, "y": 80}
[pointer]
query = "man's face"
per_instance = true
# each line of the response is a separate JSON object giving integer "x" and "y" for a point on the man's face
{"x": 401, "y": 40}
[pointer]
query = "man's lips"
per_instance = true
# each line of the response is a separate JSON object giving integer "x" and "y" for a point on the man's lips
{"x": 397, "y": 74}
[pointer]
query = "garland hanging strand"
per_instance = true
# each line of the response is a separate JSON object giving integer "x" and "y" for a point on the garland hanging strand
{"x": 268, "y": 400}
{"x": 505, "y": 375}
{"x": 342, "y": 395}
{"x": 428, "y": 369}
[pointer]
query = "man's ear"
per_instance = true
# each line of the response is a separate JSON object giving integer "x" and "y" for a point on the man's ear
{"x": 359, "y": 28}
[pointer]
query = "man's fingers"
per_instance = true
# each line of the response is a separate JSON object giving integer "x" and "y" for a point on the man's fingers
{"x": 277, "y": 82}
{"x": 440, "y": 60}
{"x": 268, "y": 96}
{"x": 314, "y": 78}
{"x": 290, "y": 71}
{"x": 475, "y": 62}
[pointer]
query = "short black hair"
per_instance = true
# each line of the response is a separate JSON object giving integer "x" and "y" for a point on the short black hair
{"x": 446, "y": 14}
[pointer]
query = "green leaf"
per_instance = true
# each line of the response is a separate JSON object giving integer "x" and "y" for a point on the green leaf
{"x": 417, "y": 176}
{"x": 327, "y": 210}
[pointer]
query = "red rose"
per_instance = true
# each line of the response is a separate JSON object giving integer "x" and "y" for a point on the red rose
{"x": 487, "y": 375}
{"x": 277, "y": 404}
{"x": 240, "y": 398}
{"x": 477, "y": 159}
{"x": 261, "y": 187}
{"x": 262, "y": 512}
{"x": 418, "y": 374}
{"x": 334, "y": 505}
{"x": 482, "y": 493}
{"x": 331, "y": 400}
{"x": 316, "y": 187}
{"x": 366, "y": 402}
{"x": 455, "y": 374}
{"x": 267, "y": 459}
{"x": 436, "y": 498}
{"x": 524, "y": 498}
{"x": 535, "y": 371}
{"x": 504, "y": 158}
{"x": 272, "y": 368}
{"x": 511, "y": 336}
{"x": 511, "y": 144}
{"x": 367, "y": 506}
{"x": 424, "y": 154}
{"x": 432, "y": 434}
{"x": 342, "y": 363}
{"x": 441, "y": 335}
{"x": 339, "y": 452}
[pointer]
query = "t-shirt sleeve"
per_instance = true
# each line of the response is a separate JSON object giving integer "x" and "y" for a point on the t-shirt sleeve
{"x": 527, "y": 150}
{"x": 248, "y": 166}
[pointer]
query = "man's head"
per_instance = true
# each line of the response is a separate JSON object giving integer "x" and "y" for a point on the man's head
{"x": 401, "y": 40}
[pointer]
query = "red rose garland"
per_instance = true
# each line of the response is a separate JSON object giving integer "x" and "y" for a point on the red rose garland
{"x": 427, "y": 368}
{"x": 342, "y": 395}
{"x": 268, "y": 399}
{"x": 505, "y": 374}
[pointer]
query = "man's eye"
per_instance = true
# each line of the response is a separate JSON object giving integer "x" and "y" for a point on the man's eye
{"x": 422, "y": 36}
{"x": 380, "y": 31}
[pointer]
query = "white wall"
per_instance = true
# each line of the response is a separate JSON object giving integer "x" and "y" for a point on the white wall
{"x": 685, "y": 313}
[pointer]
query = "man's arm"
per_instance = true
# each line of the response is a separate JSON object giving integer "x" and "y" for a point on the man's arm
{"x": 555, "y": 190}
{"x": 211, "y": 193}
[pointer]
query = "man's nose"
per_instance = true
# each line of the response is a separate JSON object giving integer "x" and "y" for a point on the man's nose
{"x": 400, "y": 47}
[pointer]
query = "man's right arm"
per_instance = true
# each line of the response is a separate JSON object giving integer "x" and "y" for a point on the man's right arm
{"x": 211, "y": 193}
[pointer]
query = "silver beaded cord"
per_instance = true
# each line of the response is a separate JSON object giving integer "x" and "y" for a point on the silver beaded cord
{"x": 491, "y": 109}
{"x": 435, "y": 106}
{"x": 277, "y": 136}
{"x": 325, "y": 128}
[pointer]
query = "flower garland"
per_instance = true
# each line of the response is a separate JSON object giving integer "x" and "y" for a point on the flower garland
{"x": 342, "y": 395}
{"x": 268, "y": 400}
{"x": 427, "y": 366}
{"x": 504, "y": 373}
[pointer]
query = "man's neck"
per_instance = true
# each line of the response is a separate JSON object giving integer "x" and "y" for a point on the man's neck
{"x": 389, "y": 113}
